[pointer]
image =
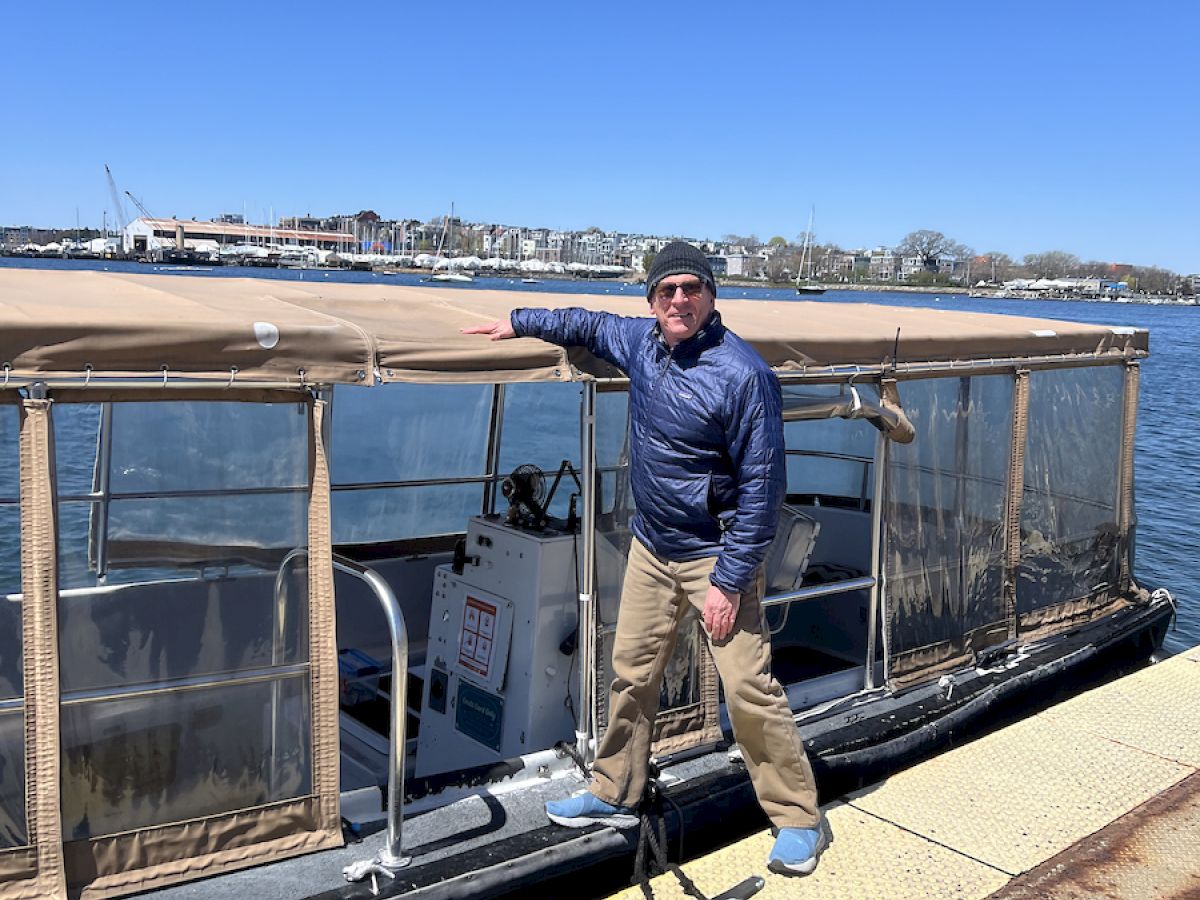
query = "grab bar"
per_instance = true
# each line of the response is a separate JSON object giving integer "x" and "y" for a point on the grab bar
{"x": 820, "y": 590}
{"x": 391, "y": 857}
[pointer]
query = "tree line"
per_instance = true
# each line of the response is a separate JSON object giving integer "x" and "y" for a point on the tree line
{"x": 993, "y": 266}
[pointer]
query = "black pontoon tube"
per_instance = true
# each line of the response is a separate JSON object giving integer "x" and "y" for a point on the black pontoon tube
{"x": 930, "y": 733}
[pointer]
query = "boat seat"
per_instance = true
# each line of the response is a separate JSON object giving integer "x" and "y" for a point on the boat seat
{"x": 789, "y": 554}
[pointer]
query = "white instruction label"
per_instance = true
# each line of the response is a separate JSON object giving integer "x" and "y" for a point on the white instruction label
{"x": 475, "y": 643}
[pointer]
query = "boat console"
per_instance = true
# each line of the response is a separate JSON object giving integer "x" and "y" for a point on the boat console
{"x": 501, "y": 639}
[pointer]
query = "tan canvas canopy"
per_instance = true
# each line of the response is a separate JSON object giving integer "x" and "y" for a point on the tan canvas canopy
{"x": 65, "y": 324}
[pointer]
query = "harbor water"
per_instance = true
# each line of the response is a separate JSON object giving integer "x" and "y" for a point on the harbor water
{"x": 1168, "y": 468}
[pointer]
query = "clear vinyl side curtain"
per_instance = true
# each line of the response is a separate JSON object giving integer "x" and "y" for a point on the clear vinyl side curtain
{"x": 192, "y": 670}
{"x": 944, "y": 526}
{"x": 1007, "y": 517}
{"x": 185, "y": 720}
{"x": 1070, "y": 560}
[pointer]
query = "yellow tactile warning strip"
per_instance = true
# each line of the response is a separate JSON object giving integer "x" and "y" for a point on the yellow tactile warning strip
{"x": 1156, "y": 710}
{"x": 963, "y": 823}
{"x": 1017, "y": 797}
{"x": 868, "y": 858}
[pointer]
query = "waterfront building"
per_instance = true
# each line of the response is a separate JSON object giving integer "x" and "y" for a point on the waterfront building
{"x": 844, "y": 266}
{"x": 14, "y": 236}
{"x": 744, "y": 265}
{"x": 884, "y": 265}
{"x": 1093, "y": 288}
{"x": 146, "y": 235}
{"x": 299, "y": 223}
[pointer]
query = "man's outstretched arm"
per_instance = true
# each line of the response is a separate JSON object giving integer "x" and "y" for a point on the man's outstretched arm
{"x": 604, "y": 334}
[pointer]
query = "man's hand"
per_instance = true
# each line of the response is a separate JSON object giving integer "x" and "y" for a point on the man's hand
{"x": 720, "y": 611}
{"x": 499, "y": 330}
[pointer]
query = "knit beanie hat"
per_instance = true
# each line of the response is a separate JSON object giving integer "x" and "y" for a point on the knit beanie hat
{"x": 679, "y": 258}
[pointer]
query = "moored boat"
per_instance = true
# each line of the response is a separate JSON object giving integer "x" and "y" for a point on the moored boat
{"x": 309, "y": 567}
{"x": 804, "y": 277}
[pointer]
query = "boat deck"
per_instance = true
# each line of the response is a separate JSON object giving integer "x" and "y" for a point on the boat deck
{"x": 1097, "y": 796}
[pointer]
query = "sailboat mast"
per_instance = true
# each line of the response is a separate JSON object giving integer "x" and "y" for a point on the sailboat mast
{"x": 808, "y": 242}
{"x": 804, "y": 277}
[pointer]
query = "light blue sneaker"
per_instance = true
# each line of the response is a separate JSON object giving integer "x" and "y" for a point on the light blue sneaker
{"x": 796, "y": 850}
{"x": 588, "y": 809}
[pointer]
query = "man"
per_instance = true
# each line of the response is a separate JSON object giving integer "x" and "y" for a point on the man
{"x": 708, "y": 475}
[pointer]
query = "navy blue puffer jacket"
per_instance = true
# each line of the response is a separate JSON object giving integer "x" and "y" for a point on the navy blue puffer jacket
{"x": 708, "y": 470}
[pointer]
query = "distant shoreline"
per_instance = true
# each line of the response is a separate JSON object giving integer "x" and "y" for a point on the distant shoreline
{"x": 983, "y": 294}
{"x": 842, "y": 286}
{"x": 975, "y": 293}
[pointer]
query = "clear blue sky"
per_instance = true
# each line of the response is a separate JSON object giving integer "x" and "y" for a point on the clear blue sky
{"x": 1018, "y": 127}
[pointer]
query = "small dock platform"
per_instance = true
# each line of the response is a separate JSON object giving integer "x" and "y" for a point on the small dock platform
{"x": 1098, "y": 796}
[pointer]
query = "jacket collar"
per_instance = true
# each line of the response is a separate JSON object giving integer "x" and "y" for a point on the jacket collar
{"x": 709, "y": 335}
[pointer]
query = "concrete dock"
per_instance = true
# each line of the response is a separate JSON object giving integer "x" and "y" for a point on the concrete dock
{"x": 1098, "y": 796}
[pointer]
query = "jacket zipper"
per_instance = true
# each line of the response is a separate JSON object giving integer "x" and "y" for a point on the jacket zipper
{"x": 666, "y": 365}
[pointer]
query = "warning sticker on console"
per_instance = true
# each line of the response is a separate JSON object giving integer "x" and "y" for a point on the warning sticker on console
{"x": 478, "y": 631}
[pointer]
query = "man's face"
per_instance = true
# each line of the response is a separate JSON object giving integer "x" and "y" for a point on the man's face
{"x": 682, "y": 304}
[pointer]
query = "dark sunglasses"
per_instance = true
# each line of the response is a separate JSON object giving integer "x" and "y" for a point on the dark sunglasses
{"x": 666, "y": 292}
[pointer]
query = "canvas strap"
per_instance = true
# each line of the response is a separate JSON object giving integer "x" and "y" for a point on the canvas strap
{"x": 322, "y": 633}
{"x": 39, "y": 626}
{"x": 1012, "y": 506}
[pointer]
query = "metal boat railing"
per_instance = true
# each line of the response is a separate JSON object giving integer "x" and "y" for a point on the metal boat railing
{"x": 820, "y": 590}
{"x": 586, "y": 723}
{"x": 391, "y": 857}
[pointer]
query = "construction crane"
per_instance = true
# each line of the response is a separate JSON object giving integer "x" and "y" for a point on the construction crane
{"x": 118, "y": 207}
{"x": 122, "y": 216}
{"x": 136, "y": 202}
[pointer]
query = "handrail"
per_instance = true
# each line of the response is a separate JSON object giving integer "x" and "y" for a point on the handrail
{"x": 236, "y": 678}
{"x": 391, "y": 857}
{"x": 878, "y": 596}
{"x": 278, "y": 641}
{"x": 820, "y": 590}
{"x": 837, "y": 372}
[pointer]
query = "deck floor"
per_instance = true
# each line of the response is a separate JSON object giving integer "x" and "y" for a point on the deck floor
{"x": 1097, "y": 796}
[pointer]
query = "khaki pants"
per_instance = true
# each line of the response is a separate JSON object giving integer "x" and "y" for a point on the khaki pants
{"x": 652, "y": 605}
